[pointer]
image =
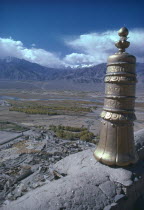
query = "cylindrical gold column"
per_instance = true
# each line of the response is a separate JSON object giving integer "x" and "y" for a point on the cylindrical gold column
{"x": 116, "y": 145}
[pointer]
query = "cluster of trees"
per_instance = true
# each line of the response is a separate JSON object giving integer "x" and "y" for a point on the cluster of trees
{"x": 74, "y": 109}
{"x": 33, "y": 110}
{"x": 10, "y": 126}
{"x": 72, "y": 133}
{"x": 67, "y": 128}
{"x": 48, "y": 110}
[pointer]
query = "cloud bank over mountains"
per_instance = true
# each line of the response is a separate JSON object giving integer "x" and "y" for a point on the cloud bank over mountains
{"x": 10, "y": 47}
{"x": 88, "y": 49}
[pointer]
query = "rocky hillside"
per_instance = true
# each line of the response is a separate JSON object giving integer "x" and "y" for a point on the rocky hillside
{"x": 26, "y": 160}
{"x": 87, "y": 74}
{"x": 19, "y": 69}
{"x": 140, "y": 73}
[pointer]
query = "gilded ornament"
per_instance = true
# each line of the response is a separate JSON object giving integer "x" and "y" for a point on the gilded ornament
{"x": 116, "y": 145}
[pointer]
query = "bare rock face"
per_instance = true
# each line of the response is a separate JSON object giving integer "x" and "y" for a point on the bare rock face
{"x": 139, "y": 142}
{"x": 85, "y": 184}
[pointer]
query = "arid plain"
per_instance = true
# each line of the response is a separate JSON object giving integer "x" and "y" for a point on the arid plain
{"x": 72, "y": 106}
{"x": 42, "y": 123}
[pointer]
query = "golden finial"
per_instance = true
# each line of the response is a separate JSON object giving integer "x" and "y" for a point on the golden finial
{"x": 122, "y": 43}
{"x": 116, "y": 146}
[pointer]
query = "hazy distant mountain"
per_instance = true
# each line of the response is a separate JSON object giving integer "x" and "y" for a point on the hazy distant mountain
{"x": 140, "y": 73}
{"x": 87, "y": 74}
{"x": 96, "y": 74}
{"x": 19, "y": 69}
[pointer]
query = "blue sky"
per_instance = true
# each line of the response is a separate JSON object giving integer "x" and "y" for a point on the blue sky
{"x": 65, "y": 32}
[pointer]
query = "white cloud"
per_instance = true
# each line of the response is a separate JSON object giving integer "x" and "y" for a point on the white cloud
{"x": 10, "y": 47}
{"x": 78, "y": 59}
{"x": 137, "y": 44}
{"x": 41, "y": 57}
{"x": 96, "y": 47}
{"x": 88, "y": 49}
{"x": 33, "y": 45}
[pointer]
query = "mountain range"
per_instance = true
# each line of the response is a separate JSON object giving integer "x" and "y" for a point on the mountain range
{"x": 19, "y": 69}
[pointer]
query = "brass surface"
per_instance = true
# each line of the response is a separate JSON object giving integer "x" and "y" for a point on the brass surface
{"x": 116, "y": 145}
{"x": 119, "y": 90}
